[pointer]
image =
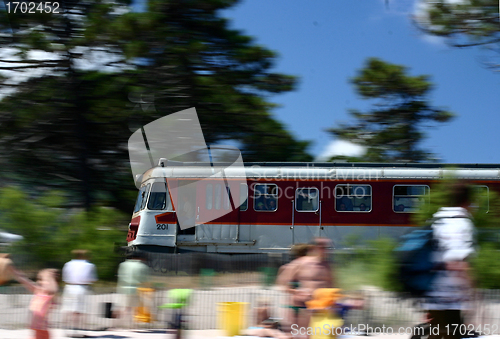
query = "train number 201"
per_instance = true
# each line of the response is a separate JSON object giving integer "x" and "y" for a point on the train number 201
{"x": 162, "y": 226}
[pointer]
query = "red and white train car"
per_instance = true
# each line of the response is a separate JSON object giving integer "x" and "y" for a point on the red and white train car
{"x": 280, "y": 204}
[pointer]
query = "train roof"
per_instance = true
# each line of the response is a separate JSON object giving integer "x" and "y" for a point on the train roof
{"x": 369, "y": 164}
{"x": 325, "y": 171}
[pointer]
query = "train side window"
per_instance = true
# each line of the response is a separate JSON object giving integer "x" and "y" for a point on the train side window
{"x": 306, "y": 199}
{"x": 265, "y": 197}
{"x": 145, "y": 196}
{"x": 218, "y": 193}
{"x": 481, "y": 198}
{"x": 243, "y": 197}
{"x": 353, "y": 198}
{"x": 409, "y": 198}
{"x": 140, "y": 198}
{"x": 227, "y": 196}
{"x": 208, "y": 200}
{"x": 159, "y": 199}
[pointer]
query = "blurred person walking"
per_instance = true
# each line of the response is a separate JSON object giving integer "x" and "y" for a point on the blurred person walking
{"x": 44, "y": 291}
{"x": 305, "y": 275}
{"x": 78, "y": 274}
{"x": 132, "y": 274}
{"x": 5, "y": 268}
{"x": 453, "y": 232}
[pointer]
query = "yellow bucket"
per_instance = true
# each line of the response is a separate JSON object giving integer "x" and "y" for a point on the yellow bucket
{"x": 232, "y": 317}
{"x": 325, "y": 325}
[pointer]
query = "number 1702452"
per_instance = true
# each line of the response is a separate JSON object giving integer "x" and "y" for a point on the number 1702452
{"x": 462, "y": 329}
{"x": 14, "y": 7}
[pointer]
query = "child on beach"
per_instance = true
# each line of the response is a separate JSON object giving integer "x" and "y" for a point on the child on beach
{"x": 44, "y": 291}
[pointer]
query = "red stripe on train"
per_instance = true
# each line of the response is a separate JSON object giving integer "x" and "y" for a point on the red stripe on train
{"x": 133, "y": 228}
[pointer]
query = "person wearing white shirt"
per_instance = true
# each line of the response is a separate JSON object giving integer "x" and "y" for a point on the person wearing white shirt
{"x": 453, "y": 232}
{"x": 78, "y": 274}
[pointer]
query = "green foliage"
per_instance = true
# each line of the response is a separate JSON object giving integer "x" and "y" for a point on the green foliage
{"x": 97, "y": 231}
{"x": 371, "y": 264}
{"x": 464, "y": 23}
{"x": 75, "y": 123}
{"x": 380, "y": 259}
{"x": 65, "y": 147}
{"x": 354, "y": 276}
{"x": 51, "y": 233}
{"x": 486, "y": 266}
{"x": 392, "y": 130}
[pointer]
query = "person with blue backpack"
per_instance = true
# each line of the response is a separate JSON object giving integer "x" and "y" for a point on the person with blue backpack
{"x": 434, "y": 268}
{"x": 453, "y": 235}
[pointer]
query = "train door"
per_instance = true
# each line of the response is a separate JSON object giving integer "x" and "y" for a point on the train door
{"x": 183, "y": 192}
{"x": 270, "y": 216}
{"x": 306, "y": 214}
{"x": 242, "y": 208}
{"x": 216, "y": 218}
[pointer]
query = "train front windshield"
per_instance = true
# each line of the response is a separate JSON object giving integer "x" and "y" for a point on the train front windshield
{"x": 159, "y": 198}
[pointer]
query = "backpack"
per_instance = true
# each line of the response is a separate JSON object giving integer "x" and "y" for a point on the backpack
{"x": 415, "y": 269}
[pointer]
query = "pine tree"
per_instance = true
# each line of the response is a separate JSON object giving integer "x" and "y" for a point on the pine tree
{"x": 393, "y": 129}
{"x": 95, "y": 65}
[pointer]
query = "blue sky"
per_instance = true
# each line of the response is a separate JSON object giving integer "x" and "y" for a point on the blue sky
{"x": 325, "y": 42}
